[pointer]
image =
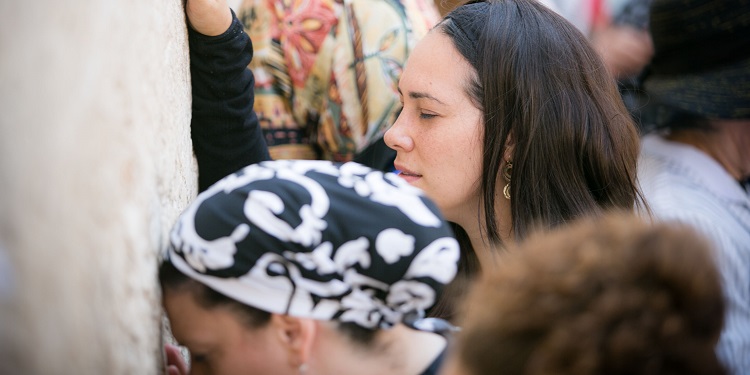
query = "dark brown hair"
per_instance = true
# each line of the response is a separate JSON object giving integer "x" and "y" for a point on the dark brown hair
{"x": 613, "y": 295}
{"x": 543, "y": 88}
{"x": 171, "y": 279}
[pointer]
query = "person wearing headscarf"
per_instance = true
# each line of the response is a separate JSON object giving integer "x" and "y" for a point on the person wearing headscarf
{"x": 289, "y": 267}
{"x": 695, "y": 167}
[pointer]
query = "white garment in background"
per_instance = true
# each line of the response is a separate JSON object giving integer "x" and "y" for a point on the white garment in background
{"x": 681, "y": 183}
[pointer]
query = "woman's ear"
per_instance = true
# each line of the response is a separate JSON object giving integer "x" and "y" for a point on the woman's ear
{"x": 296, "y": 335}
{"x": 510, "y": 147}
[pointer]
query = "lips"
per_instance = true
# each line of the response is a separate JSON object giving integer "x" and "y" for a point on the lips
{"x": 408, "y": 175}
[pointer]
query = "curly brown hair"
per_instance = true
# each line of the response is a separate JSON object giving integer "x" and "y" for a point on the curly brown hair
{"x": 603, "y": 296}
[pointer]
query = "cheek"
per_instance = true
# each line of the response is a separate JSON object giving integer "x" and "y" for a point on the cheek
{"x": 463, "y": 163}
{"x": 458, "y": 158}
{"x": 267, "y": 357}
{"x": 460, "y": 141}
{"x": 465, "y": 150}
{"x": 254, "y": 354}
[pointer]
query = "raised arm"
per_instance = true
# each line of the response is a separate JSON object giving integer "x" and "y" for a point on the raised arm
{"x": 225, "y": 130}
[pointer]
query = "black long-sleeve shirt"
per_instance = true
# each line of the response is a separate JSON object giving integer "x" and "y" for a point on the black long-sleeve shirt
{"x": 225, "y": 130}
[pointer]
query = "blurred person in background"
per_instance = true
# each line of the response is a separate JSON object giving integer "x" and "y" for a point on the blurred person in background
{"x": 626, "y": 48}
{"x": 622, "y": 38}
{"x": 694, "y": 167}
{"x": 618, "y": 30}
{"x": 586, "y": 15}
{"x": 326, "y": 73}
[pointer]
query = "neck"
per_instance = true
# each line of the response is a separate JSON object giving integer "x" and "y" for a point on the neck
{"x": 488, "y": 253}
{"x": 728, "y": 143}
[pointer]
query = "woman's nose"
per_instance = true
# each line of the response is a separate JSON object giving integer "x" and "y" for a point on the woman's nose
{"x": 396, "y": 137}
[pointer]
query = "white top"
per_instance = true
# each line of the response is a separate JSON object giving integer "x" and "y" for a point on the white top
{"x": 684, "y": 184}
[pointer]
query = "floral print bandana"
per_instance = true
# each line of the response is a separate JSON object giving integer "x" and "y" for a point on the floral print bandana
{"x": 321, "y": 240}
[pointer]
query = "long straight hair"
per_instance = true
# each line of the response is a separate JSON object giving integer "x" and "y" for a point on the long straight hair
{"x": 543, "y": 87}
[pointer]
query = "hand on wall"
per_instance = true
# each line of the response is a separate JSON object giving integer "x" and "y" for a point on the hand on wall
{"x": 175, "y": 364}
{"x": 209, "y": 17}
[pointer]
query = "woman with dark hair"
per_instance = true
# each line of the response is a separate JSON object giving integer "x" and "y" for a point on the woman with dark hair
{"x": 609, "y": 295}
{"x": 276, "y": 270}
{"x": 510, "y": 122}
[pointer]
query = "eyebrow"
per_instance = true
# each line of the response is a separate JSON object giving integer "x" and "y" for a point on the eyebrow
{"x": 420, "y": 95}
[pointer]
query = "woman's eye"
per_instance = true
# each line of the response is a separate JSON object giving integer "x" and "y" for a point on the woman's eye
{"x": 426, "y": 116}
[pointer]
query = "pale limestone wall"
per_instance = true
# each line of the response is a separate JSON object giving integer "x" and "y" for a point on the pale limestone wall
{"x": 234, "y": 4}
{"x": 95, "y": 165}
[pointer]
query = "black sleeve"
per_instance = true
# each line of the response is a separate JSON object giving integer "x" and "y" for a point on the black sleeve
{"x": 225, "y": 130}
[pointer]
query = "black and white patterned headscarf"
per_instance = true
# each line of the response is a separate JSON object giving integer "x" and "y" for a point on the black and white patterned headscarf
{"x": 319, "y": 240}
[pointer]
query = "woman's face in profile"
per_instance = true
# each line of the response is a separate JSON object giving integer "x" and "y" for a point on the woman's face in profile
{"x": 438, "y": 134}
{"x": 219, "y": 342}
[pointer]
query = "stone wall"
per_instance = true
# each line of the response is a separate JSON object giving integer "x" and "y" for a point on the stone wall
{"x": 95, "y": 165}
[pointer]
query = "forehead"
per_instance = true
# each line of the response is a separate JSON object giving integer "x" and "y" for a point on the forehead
{"x": 192, "y": 323}
{"x": 436, "y": 66}
{"x": 184, "y": 313}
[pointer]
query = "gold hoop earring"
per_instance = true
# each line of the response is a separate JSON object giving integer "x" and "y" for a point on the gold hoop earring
{"x": 506, "y": 173}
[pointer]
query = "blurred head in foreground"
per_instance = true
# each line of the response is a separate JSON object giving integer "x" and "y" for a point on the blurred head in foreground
{"x": 308, "y": 266}
{"x": 613, "y": 296}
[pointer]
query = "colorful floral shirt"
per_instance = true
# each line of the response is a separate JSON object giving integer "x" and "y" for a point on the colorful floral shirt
{"x": 327, "y": 70}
